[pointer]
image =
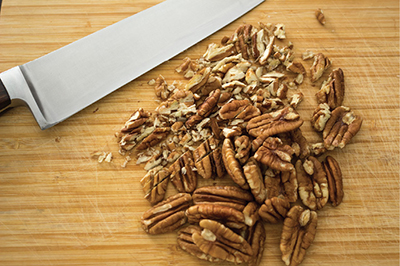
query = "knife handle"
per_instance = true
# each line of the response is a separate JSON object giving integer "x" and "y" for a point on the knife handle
{"x": 4, "y": 97}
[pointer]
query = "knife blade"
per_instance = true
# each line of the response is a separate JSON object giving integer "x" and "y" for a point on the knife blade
{"x": 61, "y": 83}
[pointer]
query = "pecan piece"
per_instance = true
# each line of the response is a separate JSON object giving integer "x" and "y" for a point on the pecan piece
{"x": 256, "y": 239}
{"x": 298, "y": 233}
{"x": 232, "y": 166}
{"x": 335, "y": 183}
{"x": 198, "y": 80}
{"x": 167, "y": 215}
{"x": 268, "y": 51}
{"x": 186, "y": 243}
{"x": 216, "y": 53}
{"x": 242, "y": 148}
{"x": 274, "y": 209}
{"x": 154, "y": 138}
{"x": 137, "y": 119}
{"x": 230, "y": 196}
{"x": 208, "y": 159}
{"x": 313, "y": 185}
{"x": 221, "y": 242}
{"x": 209, "y": 103}
{"x": 319, "y": 14}
{"x": 341, "y": 127}
{"x": 183, "y": 176}
{"x": 161, "y": 88}
{"x": 275, "y": 155}
{"x": 233, "y": 108}
{"x": 321, "y": 63}
{"x": 154, "y": 184}
{"x": 255, "y": 179}
{"x": 332, "y": 90}
{"x": 250, "y": 213}
{"x": 320, "y": 116}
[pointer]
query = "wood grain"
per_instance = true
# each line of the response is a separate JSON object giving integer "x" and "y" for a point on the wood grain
{"x": 58, "y": 206}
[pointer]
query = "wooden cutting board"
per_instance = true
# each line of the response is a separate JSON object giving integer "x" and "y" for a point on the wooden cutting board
{"x": 59, "y": 206}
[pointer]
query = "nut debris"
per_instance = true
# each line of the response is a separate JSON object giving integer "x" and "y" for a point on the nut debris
{"x": 319, "y": 14}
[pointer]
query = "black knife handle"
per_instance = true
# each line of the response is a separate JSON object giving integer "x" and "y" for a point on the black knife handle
{"x": 4, "y": 97}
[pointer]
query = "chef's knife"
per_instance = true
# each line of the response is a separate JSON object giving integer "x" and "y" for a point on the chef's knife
{"x": 61, "y": 83}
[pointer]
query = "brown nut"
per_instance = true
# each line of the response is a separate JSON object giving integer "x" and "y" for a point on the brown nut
{"x": 313, "y": 185}
{"x": 209, "y": 103}
{"x": 232, "y": 165}
{"x": 255, "y": 179}
{"x": 335, "y": 183}
{"x": 250, "y": 213}
{"x": 137, "y": 119}
{"x": 198, "y": 80}
{"x": 321, "y": 63}
{"x": 332, "y": 90}
{"x": 320, "y": 116}
{"x": 154, "y": 138}
{"x": 230, "y": 196}
{"x": 298, "y": 233}
{"x": 167, "y": 215}
{"x": 341, "y": 127}
{"x": 274, "y": 209}
{"x": 319, "y": 14}
{"x": 154, "y": 184}
{"x": 275, "y": 155}
{"x": 221, "y": 242}
{"x": 242, "y": 148}
{"x": 256, "y": 239}
{"x": 161, "y": 88}
{"x": 183, "y": 176}
{"x": 232, "y": 109}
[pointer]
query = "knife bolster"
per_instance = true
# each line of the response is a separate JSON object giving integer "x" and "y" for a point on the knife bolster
{"x": 4, "y": 97}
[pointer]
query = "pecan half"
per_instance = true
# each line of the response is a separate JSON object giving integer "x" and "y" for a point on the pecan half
{"x": 233, "y": 108}
{"x": 320, "y": 116}
{"x": 313, "y": 185}
{"x": 158, "y": 135}
{"x": 255, "y": 179}
{"x": 167, "y": 215}
{"x": 341, "y": 127}
{"x": 208, "y": 159}
{"x": 275, "y": 155}
{"x": 256, "y": 239}
{"x": 335, "y": 183}
{"x": 332, "y": 90}
{"x": 232, "y": 165}
{"x": 154, "y": 184}
{"x": 230, "y": 196}
{"x": 321, "y": 63}
{"x": 183, "y": 176}
{"x": 274, "y": 210}
{"x": 209, "y": 103}
{"x": 221, "y": 242}
{"x": 297, "y": 141}
{"x": 298, "y": 233}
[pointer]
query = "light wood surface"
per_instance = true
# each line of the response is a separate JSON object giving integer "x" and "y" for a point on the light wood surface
{"x": 58, "y": 206}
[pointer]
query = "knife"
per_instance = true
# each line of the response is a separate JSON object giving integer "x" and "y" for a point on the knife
{"x": 61, "y": 83}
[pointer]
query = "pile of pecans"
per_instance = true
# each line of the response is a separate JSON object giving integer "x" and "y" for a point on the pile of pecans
{"x": 236, "y": 116}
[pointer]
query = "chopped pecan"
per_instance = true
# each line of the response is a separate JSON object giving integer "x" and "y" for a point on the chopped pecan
{"x": 237, "y": 72}
{"x": 341, "y": 127}
{"x": 321, "y": 63}
{"x": 313, "y": 185}
{"x": 209, "y": 103}
{"x": 154, "y": 138}
{"x": 183, "y": 176}
{"x": 279, "y": 31}
{"x": 233, "y": 108}
{"x": 298, "y": 233}
{"x": 154, "y": 184}
{"x": 320, "y": 116}
{"x": 250, "y": 213}
{"x": 255, "y": 179}
{"x": 137, "y": 119}
{"x": 186, "y": 243}
{"x": 230, "y": 196}
{"x": 332, "y": 90}
{"x": 167, "y": 215}
{"x": 198, "y": 80}
{"x": 224, "y": 214}
{"x": 268, "y": 51}
{"x": 258, "y": 46}
{"x": 216, "y": 53}
{"x": 275, "y": 155}
{"x": 188, "y": 67}
{"x": 256, "y": 239}
{"x": 274, "y": 209}
{"x": 317, "y": 148}
{"x": 296, "y": 67}
{"x": 335, "y": 183}
{"x": 232, "y": 165}
{"x": 242, "y": 148}
{"x": 161, "y": 88}
{"x": 319, "y": 14}
{"x": 211, "y": 164}
{"x": 221, "y": 242}
{"x": 233, "y": 131}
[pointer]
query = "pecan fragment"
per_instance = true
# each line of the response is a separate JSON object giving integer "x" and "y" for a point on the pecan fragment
{"x": 216, "y": 53}
{"x": 332, "y": 90}
{"x": 281, "y": 183}
{"x": 275, "y": 155}
{"x": 321, "y": 63}
{"x": 298, "y": 233}
{"x": 161, "y": 88}
{"x": 183, "y": 176}
{"x": 232, "y": 166}
{"x": 198, "y": 80}
{"x": 167, "y": 215}
{"x": 320, "y": 116}
{"x": 233, "y": 108}
{"x": 256, "y": 240}
{"x": 254, "y": 178}
{"x": 341, "y": 127}
{"x": 335, "y": 183}
{"x": 242, "y": 148}
{"x": 319, "y": 14}
{"x": 221, "y": 242}
{"x": 154, "y": 184}
{"x": 154, "y": 138}
{"x": 274, "y": 209}
{"x": 208, "y": 159}
{"x": 313, "y": 185}
{"x": 250, "y": 213}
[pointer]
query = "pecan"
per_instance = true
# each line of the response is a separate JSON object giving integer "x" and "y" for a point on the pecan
{"x": 136, "y": 120}
{"x": 268, "y": 51}
{"x": 312, "y": 182}
{"x": 321, "y": 63}
{"x": 188, "y": 68}
{"x": 209, "y": 103}
{"x": 296, "y": 67}
{"x": 317, "y": 148}
{"x": 198, "y": 80}
{"x": 161, "y": 88}
{"x": 319, "y": 14}
{"x": 186, "y": 243}
{"x": 258, "y": 46}
{"x": 230, "y": 196}
{"x": 281, "y": 183}
{"x": 154, "y": 138}
{"x": 233, "y": 131}
{"x": 298, "y": 233}
{"x": 320, "y": 116}
{"x": 290, "y": 185}
{"x": 341, "y": 127}
{"x": 256, "y": 239}
{"x": 255, "y": 179}
{"x": 242, "y": 148}
{"x": 215, "y": 127}
{"x": 232, "y": 166}
{"x": 275, "y": 155}
{"x": 279, "y": 31}
{"x": 237, "y": 72}
{"x": 334, "y": 176}
{"x": 297, "y": 141}
{"x": 154, "y": 184}
{"x": 216, "y": 53}
{"x": 233, "y": 108}
{"x": 332, "y": 90}
{"x": 274, "y": 209}
{"x": 222, "y": 243}
{"x": 183, "y": 176}
{"x": 211, "y": 164}
{"x": 167, "y": 215}
{"x": 224, "y": 214}
{"x": 250, "y": 213}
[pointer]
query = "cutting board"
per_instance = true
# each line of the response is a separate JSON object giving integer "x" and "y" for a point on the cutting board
{"x": 59, "y": 206}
